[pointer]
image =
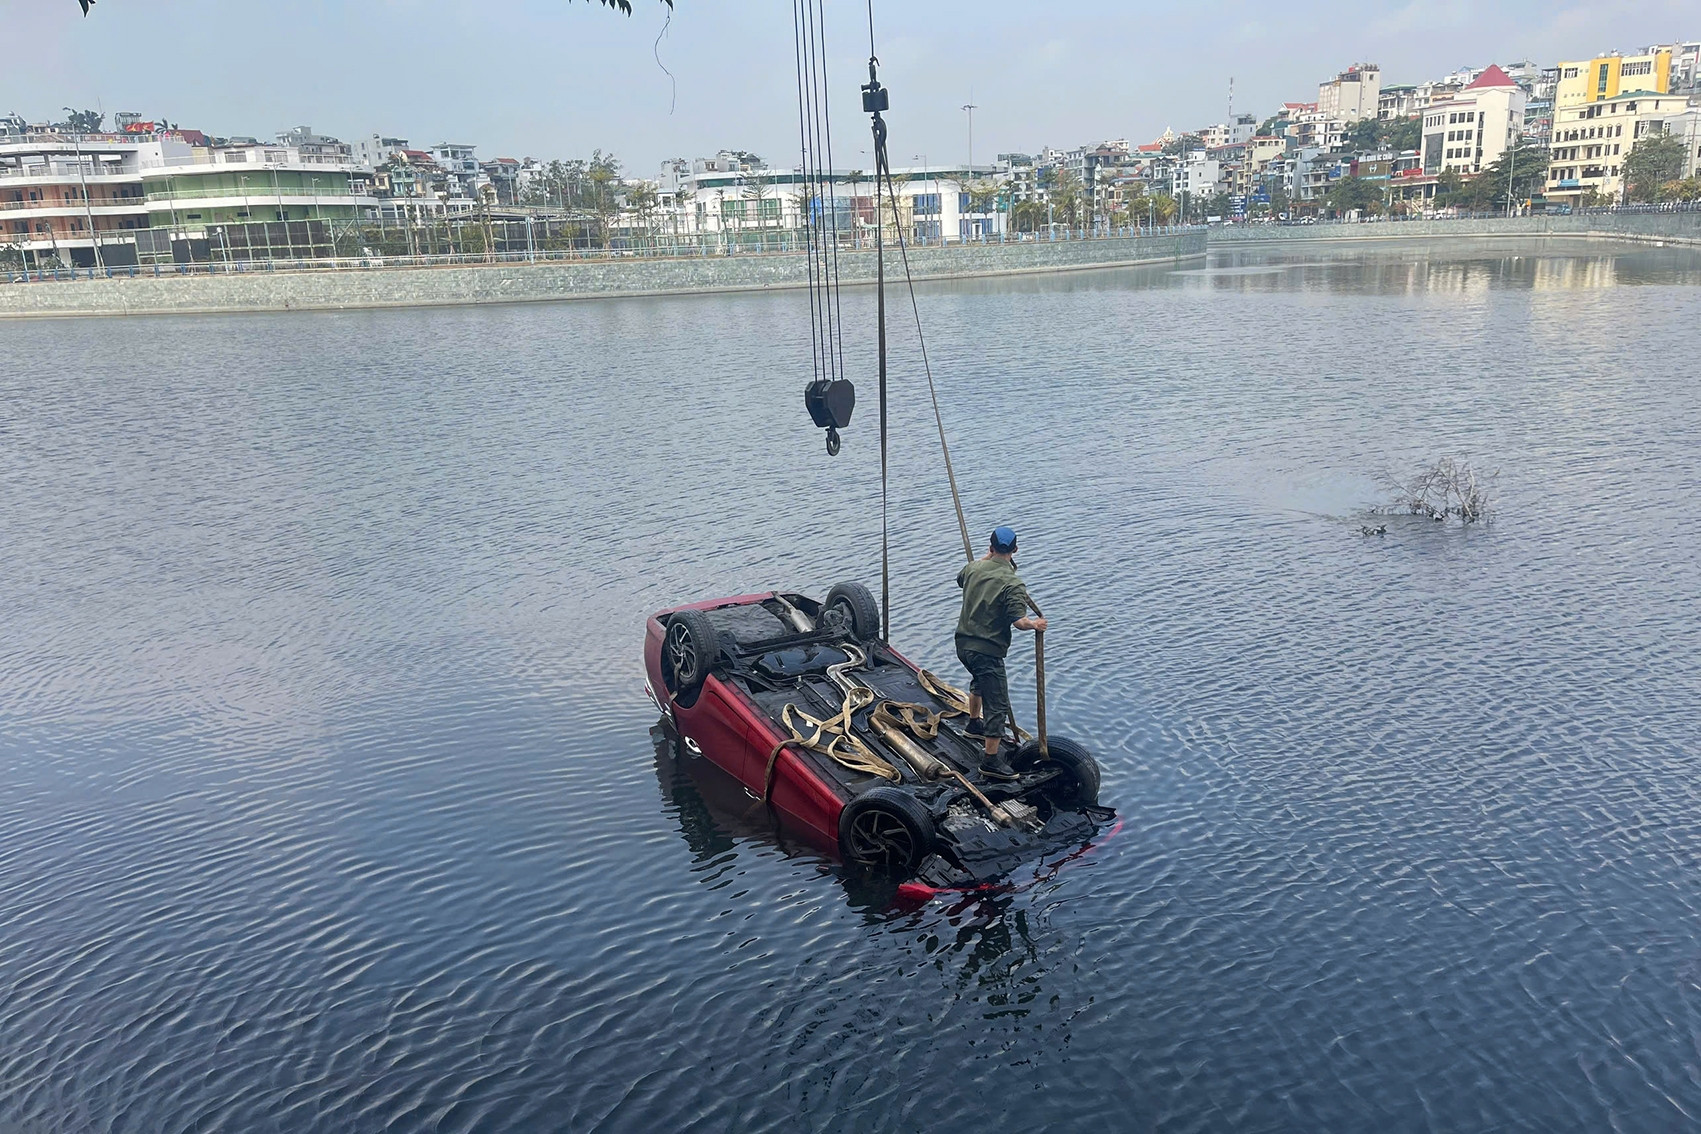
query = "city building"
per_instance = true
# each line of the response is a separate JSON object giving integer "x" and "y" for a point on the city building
{"x": 62, "y": 195}
{"x": 1469, "y": 132}
{"x": 1398, "y": 102}
{"x": 1685, "y": 66}
{"x": 137, "y": 197}
{"x": 1590, "y": 142}
{"x": 463, "y": 175}
{"x": 376, "y": 149}
{"x": 1353, "y": 94}
{"x": 314, "y": 149}
{"x": 1607, "y": 76}
{"x": 737, "y": 198}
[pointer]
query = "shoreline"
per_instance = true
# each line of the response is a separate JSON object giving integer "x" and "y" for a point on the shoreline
{"x": 357, "y": 289}
{"x": 562, "y": 281}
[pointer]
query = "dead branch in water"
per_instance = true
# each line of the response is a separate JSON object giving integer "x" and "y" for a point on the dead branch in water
{"x": 1446, "y": 488}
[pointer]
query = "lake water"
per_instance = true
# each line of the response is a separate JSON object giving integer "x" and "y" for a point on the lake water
{"x": 329, "y": 801}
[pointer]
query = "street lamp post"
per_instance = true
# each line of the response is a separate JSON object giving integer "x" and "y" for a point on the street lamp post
{"x": 88, "y": 210}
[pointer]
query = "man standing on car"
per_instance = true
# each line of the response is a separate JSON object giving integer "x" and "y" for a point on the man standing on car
{"x": 994, "y": 600}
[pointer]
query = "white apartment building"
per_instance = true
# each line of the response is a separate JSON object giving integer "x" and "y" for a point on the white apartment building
{"x": 374, "y": 150}
{"x": 729, "y": 198}
{"x": 1469, "y": 132}
{"x": 1590, "y": 142}
{"x": 123, "y": 199}
{"x": 1231, "y": 133}
{"x": 1353, "y": 94}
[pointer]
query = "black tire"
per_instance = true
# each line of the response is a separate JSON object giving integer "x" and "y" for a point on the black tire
{"x": 1078, "y": 786}
{"x": 688, "y": 652}
{"x": 853, "y": 606}
{"x": 887, "y": 830}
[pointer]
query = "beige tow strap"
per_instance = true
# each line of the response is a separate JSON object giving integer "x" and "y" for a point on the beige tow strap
{"x": 835, "y": 739}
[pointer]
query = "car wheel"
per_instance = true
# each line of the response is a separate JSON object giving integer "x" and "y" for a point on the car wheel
{"x": 885, "y": 829}
{"x": 850, "y": 608}
{"x": 688, "y": 652}
{"x": 1078, "y": 785}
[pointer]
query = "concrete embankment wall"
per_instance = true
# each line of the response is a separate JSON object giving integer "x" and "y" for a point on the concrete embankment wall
{"x": 577, "y": 279}
{"x": 1651, "y": 228}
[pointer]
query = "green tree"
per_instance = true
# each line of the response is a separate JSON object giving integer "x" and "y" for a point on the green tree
{"x": 1522, "y": 169}
{"x": 1370, "y": 134}
{"x": 84, "y": 121}
{"x": 643, "y": 202}
{"x": 1653, "y": 161}
{"x": 1158, "y": 208}
{"x": 1272, "y": 126}
{"x": 1068, "y": 198}
{"x": 1689, "y": 189}
{"x": 1353, "y": 193}
{"x": 602, "y": 175}
{"x": 1449, "y": 188}
{"x": 1027, "y": 216}
{"x": 983, "y": 196}
{"x": 1183, "y": 144}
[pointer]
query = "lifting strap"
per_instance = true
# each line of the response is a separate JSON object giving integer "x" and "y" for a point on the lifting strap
{"x": 835, "y": 738}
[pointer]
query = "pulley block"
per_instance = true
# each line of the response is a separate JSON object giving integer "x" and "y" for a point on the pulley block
{"x": 830, "y": 402}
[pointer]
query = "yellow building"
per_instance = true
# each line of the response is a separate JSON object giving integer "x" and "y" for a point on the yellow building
{"x": 1610, "y": 75}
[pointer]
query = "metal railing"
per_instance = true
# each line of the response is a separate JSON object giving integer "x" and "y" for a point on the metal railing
{"x": 77, "y": 203}
{"x": 220, "y": 261}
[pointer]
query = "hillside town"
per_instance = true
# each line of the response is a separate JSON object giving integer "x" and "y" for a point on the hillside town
{"x": 1508, "y": 139}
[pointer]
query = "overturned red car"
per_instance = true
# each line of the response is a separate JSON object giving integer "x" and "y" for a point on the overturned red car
{"x": 855, "y": 745}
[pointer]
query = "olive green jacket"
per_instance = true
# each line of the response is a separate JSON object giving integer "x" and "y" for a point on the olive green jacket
{"x": 993, "y": 599}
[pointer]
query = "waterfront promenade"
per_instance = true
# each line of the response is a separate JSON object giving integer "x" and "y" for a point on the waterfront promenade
{"x": 1665, "y": 227}
{"x": 216, "y": 287}
{"x": 348, "y": 284}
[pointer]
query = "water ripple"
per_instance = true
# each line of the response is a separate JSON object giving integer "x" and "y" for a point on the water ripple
{"x": 330, "y": 801}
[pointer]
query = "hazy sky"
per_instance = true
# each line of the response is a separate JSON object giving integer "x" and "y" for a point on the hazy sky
{"x": 557, "y": 78}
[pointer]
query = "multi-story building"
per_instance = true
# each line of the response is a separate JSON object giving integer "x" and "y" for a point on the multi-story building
{"x": 1685, "y": 66}
{"x": 1686, "y": 126}
{"x": 1399, "y": 101}
{"x": 71, "y": 198}
{"x": 1607, "y": 76}
{"x": 1353, "y": 94}
{"x": 140, "y": 197}
{"x": 464, "y": 176}
{"x": 1231, "y": 133}
{"x": 747, "y": 203}
{"x": 503, "y": 175}
{"x": 1590, "y": 142}
{"x": 1469, "y": 132}
{"x": 376, "y": 149}
{"x": 315, "y": 149}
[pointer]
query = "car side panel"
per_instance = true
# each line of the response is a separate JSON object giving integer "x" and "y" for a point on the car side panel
{"x": 800, "y": 795}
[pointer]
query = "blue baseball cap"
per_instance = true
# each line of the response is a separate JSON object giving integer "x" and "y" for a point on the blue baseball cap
{"x": 1003, "y": 540}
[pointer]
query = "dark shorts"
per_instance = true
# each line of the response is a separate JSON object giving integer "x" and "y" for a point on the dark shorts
{"x": 987, "y": 680}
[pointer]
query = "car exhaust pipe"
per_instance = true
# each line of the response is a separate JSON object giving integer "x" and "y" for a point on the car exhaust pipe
{"x": 919, "y": 758}
{"x": 930, "y": 768}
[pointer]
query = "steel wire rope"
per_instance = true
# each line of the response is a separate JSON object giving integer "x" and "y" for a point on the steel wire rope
{"x": 815, "y": 352}
{"x": 829, "y": 193}
{"x": 813, "y": 84}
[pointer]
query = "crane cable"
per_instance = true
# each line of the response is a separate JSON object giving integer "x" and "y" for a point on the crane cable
{"x": 820, "y": 223}
{"x": 883, "y": 167}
